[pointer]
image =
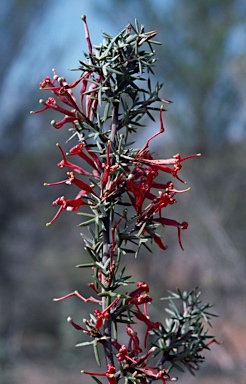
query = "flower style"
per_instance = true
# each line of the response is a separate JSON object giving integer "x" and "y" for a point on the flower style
{"x": 133, "y": 345}
{"x": 87, "y": 35}
{"x": 150, "y": 324}
{"x": 110, "y": 374}
{"x": 72, "y": 179}
{"x": 73, "y": 167}
{"x": 69, "y": 205}
{"x": 77, "y": 294}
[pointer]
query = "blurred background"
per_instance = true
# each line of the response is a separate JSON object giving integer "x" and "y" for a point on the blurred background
{"x": 202, "y": 63}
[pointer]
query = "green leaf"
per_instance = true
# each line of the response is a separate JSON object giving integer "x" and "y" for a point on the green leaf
{"x": 141, "y": 230}
{"x": 87, "y": 223}
{"x": 85, "y": 344}
{"x": 108, "y": 294}
{"x": 96, "y": 353}
{"x": 96, "y": 380}
{"x": 88, "y": 265}
{"x": 106, "y": 111}
{"x": 114, "y": 330}
{"x": 85, "y": 214}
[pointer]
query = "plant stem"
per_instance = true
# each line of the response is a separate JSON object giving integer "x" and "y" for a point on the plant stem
{"x": 107, "y": 328}
{"x": 107, "y": 322}
{"x": 115, "y": 122}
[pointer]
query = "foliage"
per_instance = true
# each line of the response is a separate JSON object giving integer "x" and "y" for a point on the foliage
{"x": 122, "y": 210}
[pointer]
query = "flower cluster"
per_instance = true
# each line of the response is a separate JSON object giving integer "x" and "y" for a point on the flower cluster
{"x": 131, "y": 173}
{"x": 115, "y": 170}
{"x": 123, "y": 199}
{"x": 129, "y": 356}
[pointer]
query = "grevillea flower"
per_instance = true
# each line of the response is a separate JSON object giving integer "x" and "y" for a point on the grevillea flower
{"x": 173, "y": 223}
{"x": 87, "y": 35}
{"x": 110, "y": 374}
{"x": 63, "y": 92}
{"x": 137, "y": 366}
{"x": 109, "y": 184}
{"x": 104, "y": 315}
{"x": 123, "y": 355}
{"x": 150, "y": 324}
{"x": 91, "y": 97}
{"x": 155, "y": 373}
{"x": 70, "y": 116}
{"x": 91, "y": 159}
{"x": 73, "y": 167}
{"x": 72, "y": 179}
{"x": 69, "y": 205}
{"x": 77, "y": 294}
{"x": 147, "y": 215}
{"x": 138, "y": 184}
{"x": 141, "y": 287}
{"x": 76, "y": 326}
{"x": 164, "y": 164}
{"x": 133, "y": 345}
{"x": 62, "y": 89}
{"x": 137, "y": 297}
{"x": 141, "y": 181}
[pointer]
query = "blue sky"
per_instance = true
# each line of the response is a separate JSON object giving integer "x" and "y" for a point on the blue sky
{"x": 57, "y": 40}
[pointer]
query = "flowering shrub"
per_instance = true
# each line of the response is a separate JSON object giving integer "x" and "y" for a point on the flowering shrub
{"x": 123, "y": 206}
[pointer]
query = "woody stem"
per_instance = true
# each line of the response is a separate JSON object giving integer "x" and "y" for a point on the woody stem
{"x": 106, "y": 253}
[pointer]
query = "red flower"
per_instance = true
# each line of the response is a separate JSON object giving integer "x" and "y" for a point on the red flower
{"x": 69, "y": 205}
{"x": 76, "y": 326}
{"x": 72, "y": 179}
{"x": 91, "y": 98}
{"x": 100, "y": 316}
{"x": 164, "y": 164}
{"x": 76, "y": 293}
{"x": 103, "y": 315}
{"x": 110, "y": 372}
{"x": 83, "y": 87}
{"x": 69, "y": 165}
{"x": 87, "y": 35}
{"x": 158, "y": 203}
{"x": 155, "y": 373}
{"x": 133, "y": 345}
{"x": 123, "y": 354}
{"x": 173, "y": 223}
{"x": 63, "y": 91}
{"x": 90, "y": 159}
{"x": 50, "y": 103}
{"x": 138, "y": 185}
{"x": 137, "y": 297}
{"x": 150, "y": 324}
